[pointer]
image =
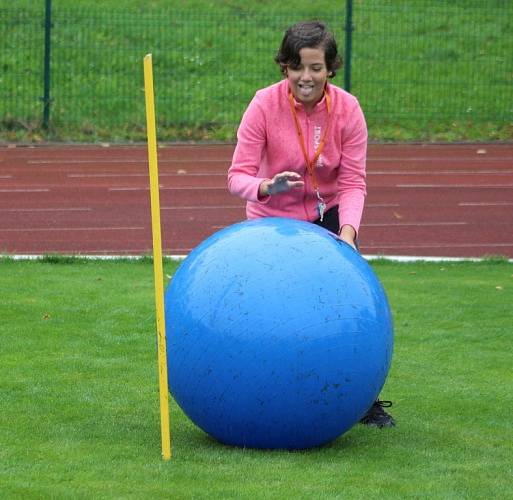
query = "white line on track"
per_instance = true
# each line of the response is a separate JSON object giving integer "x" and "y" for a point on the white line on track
{"x": 80, "y": 162}
{"x": 445, "y": 245}
{"x": 485, "y": 203}
{"x": 94, "y": 176}
{"x": 480, "y": 186}
{"x": 136, "y": 255}
{"x": 204, "y": 207}
{"x": 408, "y": 258}
{"x": 438, "y": 172}
{"x": 46, "y": 209}
{"x": 5, "y": 176}
{"x": 49, "y": 229}
{"x": 24, "y": 190}
{"x": 394, "y": 224}
{"x": 128, "y": 160}
{"x": 167, "y": 188}
{"x": 440, "y": 159}
{"x": 164, "y": 174}
{"x": 381, "y": 205}
{"x": 132, "y": 254}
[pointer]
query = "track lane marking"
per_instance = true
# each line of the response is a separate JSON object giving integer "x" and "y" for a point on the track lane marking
{"x": 396, "y": 224}
{"x": 485, "y": 203}
{"x": 143, "y": 161}
{"x": 203, "y": 207}
{"x": 480, "y": 186}
{"x": 162, "y": 188}
{"x": 46, "y": 209}
{"x": 442, "y": 245}
{"x": 24, "y": 190}
{"x": 439, "y": 172}
{"x": 164, "y": 174}
{"x": 48, "y": 229}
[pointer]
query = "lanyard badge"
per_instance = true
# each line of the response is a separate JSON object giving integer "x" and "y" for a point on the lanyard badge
{"x": 310, "y": 164}
{"x": 321, "y": 206}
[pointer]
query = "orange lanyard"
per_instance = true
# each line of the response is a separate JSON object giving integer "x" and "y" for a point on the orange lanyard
{"x": 310, "y": 164}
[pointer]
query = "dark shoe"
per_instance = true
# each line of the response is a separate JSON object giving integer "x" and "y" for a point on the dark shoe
{"x": 377, "y": 417}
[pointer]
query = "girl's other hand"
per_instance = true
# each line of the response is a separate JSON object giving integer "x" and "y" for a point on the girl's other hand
{"x": 348, "y": 234}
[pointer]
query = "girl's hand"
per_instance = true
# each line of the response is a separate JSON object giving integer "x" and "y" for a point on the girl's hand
{"x": 280, "y": 183}
{"x": 348, "y": 234}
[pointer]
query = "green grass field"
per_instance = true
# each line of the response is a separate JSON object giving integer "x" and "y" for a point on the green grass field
{"x": 426, "y": 72}
{"x": 79, "y": 393}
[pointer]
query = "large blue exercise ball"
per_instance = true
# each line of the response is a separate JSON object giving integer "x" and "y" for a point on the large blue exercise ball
{"x": 279, "y": 335}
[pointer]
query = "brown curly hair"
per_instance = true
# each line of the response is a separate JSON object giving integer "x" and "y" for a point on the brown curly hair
{"x": 308, "y": 34}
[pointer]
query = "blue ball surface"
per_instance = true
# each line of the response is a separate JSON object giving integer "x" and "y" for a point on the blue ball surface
{"x": 279, "y": 335}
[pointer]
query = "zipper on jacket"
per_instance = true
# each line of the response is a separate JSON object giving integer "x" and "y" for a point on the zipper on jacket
{"x": 307, "y": 177}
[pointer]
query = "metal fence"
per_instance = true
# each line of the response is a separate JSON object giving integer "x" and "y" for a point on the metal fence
{"x": 78, "y": 72}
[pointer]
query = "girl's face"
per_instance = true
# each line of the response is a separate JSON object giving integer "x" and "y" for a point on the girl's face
{"x": 307, "y": 80}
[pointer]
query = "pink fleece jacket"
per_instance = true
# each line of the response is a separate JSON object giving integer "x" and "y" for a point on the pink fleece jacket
{"x": 267, "y": 143}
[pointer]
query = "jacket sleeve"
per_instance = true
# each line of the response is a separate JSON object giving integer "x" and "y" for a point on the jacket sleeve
{"x": 351, "y": 182}
{"x": 243, "y": 180}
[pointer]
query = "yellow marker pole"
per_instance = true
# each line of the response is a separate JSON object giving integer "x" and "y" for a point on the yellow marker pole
{"x": 157, "y": 257}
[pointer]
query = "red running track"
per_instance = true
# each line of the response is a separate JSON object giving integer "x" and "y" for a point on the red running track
{"x": 423, "y": 200}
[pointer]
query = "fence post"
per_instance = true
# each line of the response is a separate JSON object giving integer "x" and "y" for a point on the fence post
{"x": 46, "y": 75}
{"x": 348, "y": 48}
